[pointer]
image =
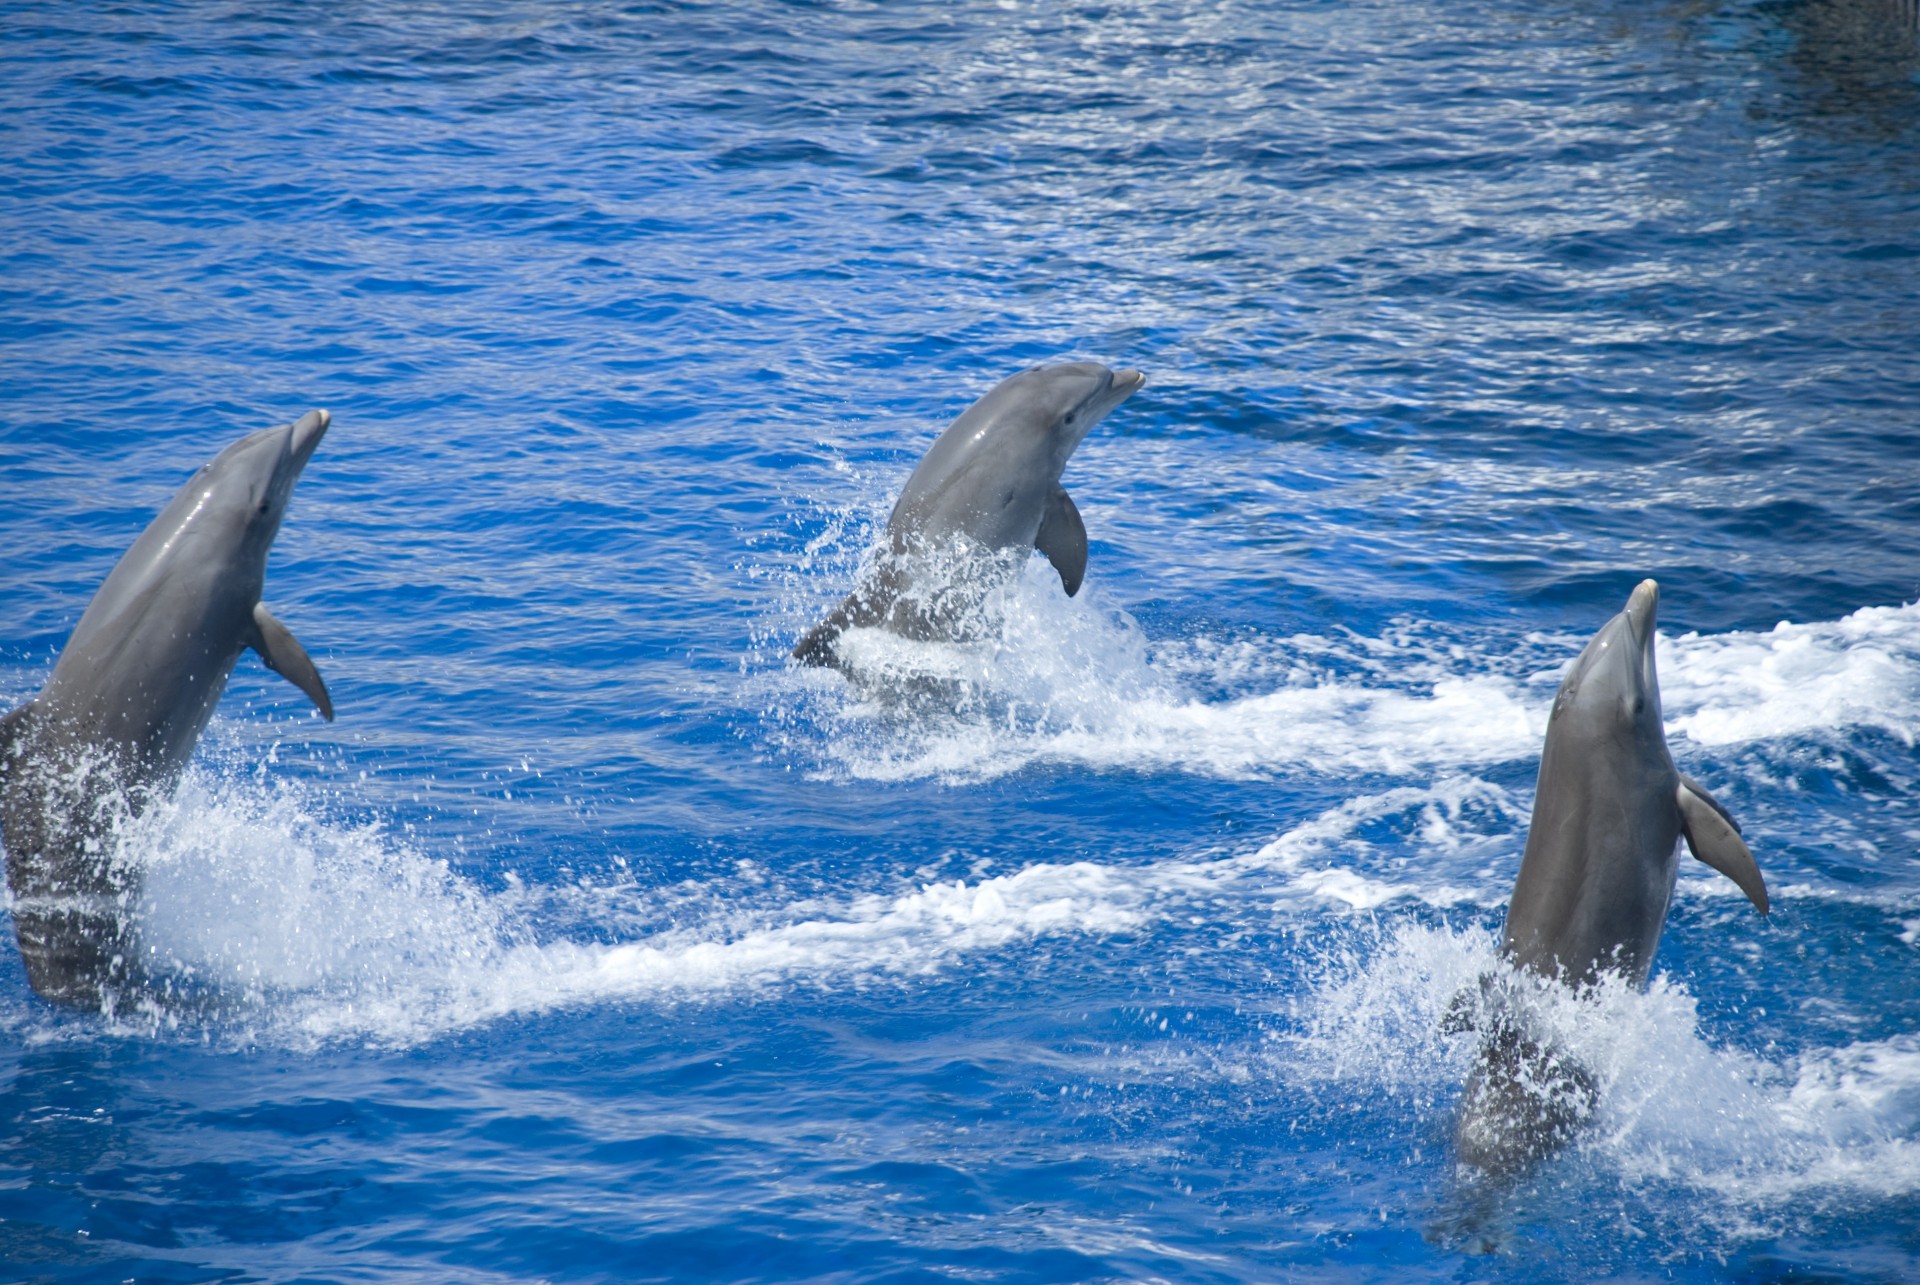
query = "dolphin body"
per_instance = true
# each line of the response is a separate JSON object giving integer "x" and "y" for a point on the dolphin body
{"x": 986, "y": 491}
{"x": 118, "y": 718}
{"x": 1601, "y": 858}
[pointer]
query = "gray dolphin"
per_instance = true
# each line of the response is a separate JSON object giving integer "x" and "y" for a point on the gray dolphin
{"x": 988, "y": 486}
{"x": 1601, "y": 858}
{"x": 118, "y": 718}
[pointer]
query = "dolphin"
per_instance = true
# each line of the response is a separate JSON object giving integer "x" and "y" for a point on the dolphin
{"x": 987, "y": 491}
{"x": 1595, "y": 879}
{"x": 118, "y": 718}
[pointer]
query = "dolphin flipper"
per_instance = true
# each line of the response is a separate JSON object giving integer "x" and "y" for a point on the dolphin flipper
{"x": 1714, "y": 838}
{"x": 1063, "y": 538}
{"x": 285, "y": 656}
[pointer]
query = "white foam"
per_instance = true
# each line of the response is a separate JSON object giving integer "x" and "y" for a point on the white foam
{"x": 1862, "y": 671}
{"x": 910, "y": 933}
{"x": 318, "y": 931}
{"x": 1076, "y": 681}
{"x": 310, "y": 929}
{"x": 252, "y": 889}
{"x": 325, "y": 930}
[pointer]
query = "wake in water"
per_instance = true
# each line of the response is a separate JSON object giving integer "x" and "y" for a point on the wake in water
{"x": 1076, "y": 682}
{"x": 311, "y": 928}
{"x": 253, "y": 889}
{"x": 314, "y": 930}
{"x": 275, "y": 920}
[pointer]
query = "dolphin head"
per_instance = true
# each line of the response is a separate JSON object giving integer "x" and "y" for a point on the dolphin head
{"x": 1613, "y": 688}
{"x": 241, "y": 495}
{"x": 1045, "y": 411}
{"x": 1065, "y": 401}
{"x": 992, "y": 472}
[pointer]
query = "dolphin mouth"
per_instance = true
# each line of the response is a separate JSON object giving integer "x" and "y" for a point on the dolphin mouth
{"x": 1125, "y": 384}
{"x": 304, "y": 436}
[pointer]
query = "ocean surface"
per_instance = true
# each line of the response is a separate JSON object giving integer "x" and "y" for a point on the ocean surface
{"x": 596, "y": 942}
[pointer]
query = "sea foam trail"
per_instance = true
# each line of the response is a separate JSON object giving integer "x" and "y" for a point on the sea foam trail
{"x": 312, "y": 930}
{"x": 352, "y": 931}
{"x": 320, "y": 932}
{"x": 252, "y": 890}
{"x": 1076, "y": 682}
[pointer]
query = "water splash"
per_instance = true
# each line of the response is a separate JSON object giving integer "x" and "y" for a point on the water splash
{"x": 1076, "y": 681}
{"x": 253, "y": 889}
{"x": 1861, "y": 671}
{"x": 1753, "y": 1132}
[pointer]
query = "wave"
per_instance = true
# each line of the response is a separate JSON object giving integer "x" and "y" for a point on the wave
{"x": 315, "y": 931}
{"x": 1861, "y": 671}
{"x": 1076, "y": 681}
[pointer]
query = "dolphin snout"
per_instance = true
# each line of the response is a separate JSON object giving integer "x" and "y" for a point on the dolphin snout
{"x": 306, "y": 435}
{"x": 1120, "y": 385}
{"x": 1643, "y": 607}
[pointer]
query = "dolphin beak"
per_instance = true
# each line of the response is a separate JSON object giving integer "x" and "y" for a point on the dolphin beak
{"x": 1643, "y": 608}
{"x": 305, "y": 437}
{"x": 1121, "y": 384}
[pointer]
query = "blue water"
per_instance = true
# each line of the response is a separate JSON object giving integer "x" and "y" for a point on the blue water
{"x": 594, "y": 943}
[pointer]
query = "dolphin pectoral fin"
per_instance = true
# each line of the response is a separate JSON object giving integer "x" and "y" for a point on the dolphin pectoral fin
{"x": 1715, "y": 840}
{"x": 285, "y": 656}
{"x": 1063, "y": 538}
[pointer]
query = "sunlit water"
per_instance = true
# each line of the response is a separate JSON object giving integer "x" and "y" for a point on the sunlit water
{"x": 594, "y": 942}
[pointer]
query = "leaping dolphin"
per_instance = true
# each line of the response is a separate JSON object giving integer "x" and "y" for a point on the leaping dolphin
{"x": 118, "y": 718}
{"x": 989, "y": 485}
{"x": 1599, "y": 868}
